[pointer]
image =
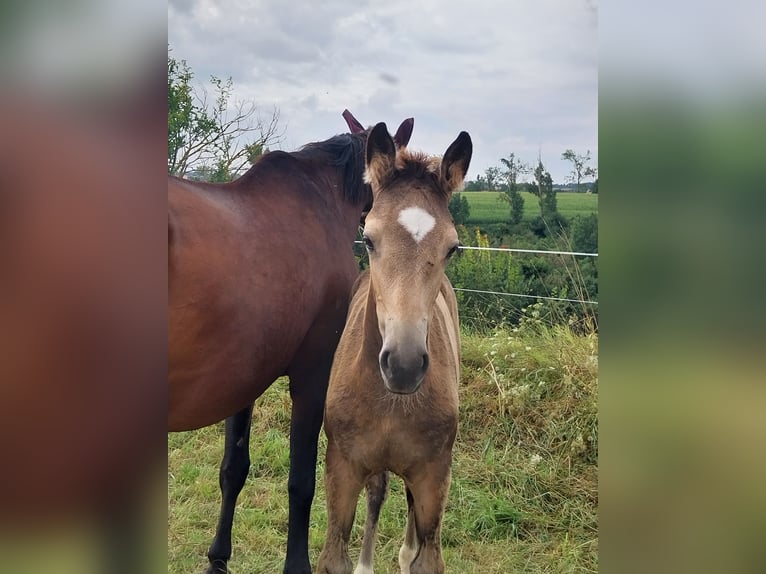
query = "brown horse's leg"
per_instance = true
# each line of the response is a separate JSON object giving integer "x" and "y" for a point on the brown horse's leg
{"x": 308, "y": 388}
{"x": 377, "y": 489}
{"x": 409, "y": 549}
{"x": 234, "y": 469}
{"x": 429, "y": 492}
{"x": 342, "y": 487}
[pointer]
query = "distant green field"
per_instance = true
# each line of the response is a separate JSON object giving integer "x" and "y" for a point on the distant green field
{"x": 486, "y": 207}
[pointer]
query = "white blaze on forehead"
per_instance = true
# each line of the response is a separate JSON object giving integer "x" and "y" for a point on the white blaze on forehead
{"x": 417, "y": 221}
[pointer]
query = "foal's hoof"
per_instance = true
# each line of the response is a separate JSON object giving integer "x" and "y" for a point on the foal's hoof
{"x": 217, "y": 567}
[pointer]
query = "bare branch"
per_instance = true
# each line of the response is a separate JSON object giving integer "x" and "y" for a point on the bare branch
{"x": 222, "y": 133}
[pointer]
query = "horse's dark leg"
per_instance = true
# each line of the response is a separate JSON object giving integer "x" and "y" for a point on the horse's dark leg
{"x": 308, "y": 388}
{"x": 234, "y": 468}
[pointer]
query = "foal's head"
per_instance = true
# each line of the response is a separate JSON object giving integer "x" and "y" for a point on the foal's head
{"x": 410, "y": 237}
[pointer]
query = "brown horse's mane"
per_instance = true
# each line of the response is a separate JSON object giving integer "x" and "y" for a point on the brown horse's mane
{"x": 344, "y": 151}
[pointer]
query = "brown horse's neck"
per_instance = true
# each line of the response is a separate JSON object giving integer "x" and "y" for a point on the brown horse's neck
{"x": 348, "y": 212}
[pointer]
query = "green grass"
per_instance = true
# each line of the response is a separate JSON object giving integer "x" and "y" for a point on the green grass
{"x": 486, "y": 207}
{"x": 524, "y": 479}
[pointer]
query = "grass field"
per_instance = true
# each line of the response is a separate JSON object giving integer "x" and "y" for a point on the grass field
{"x": 486, "y": 207}
{"x": 524, "y": 480}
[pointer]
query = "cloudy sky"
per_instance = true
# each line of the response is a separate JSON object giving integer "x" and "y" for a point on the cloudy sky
{"x": 518, "y": 75}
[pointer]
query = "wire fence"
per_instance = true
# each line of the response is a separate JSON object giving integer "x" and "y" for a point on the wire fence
{"x": 524, "y": 295}
{"x": 539, "y": 251}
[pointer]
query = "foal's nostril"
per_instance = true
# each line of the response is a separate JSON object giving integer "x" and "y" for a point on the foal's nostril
{"x": 424, "y": 366}
{"x": 384, "y": 356}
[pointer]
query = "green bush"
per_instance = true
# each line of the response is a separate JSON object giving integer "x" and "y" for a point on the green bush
{"x": 550, "y": 225}
{"x": 459, "y": 209}
{"x": 584, "y": 233}
{"x": 485, "y": 271}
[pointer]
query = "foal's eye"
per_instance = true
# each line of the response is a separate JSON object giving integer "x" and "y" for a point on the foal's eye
{"x": 368, "y": 243}
{"x": 452, "y": 251}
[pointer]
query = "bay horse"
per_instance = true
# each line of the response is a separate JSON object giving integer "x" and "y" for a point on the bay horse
{"x": 392, "y": 401}
{"x": 260, "y": 272}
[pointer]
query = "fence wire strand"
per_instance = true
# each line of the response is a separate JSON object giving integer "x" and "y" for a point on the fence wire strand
{"x": 513, "y": 250}
{"x": 527, "y": 296}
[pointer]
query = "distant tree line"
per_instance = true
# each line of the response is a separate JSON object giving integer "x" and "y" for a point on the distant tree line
{"x": 512, "y": 170}
{"x": 510, "y": 179}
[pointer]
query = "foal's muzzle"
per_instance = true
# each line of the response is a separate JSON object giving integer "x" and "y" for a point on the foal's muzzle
{"x": 403, "y": 371}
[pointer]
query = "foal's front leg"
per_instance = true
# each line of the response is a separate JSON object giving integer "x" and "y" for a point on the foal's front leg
{"x": 409, "y": 549}
{"x": 377, "y": 489}
{"x": 429, "y": 489}
{"x": 342, "y": 487}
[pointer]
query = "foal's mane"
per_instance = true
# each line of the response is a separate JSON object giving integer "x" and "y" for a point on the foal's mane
{"x": 420, "y": 166}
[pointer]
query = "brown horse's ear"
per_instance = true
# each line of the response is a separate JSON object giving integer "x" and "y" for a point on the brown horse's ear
{"x": 353, "y": 124}
{"x": 455, "y": 163}
{"x": 403, "y": 134}
{"x": 380, "y": 156}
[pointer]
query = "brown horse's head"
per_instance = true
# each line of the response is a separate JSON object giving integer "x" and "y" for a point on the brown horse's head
{"x": 410, "y": 237}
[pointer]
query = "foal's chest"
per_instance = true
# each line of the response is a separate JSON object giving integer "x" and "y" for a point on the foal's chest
{"x": 392, "y": 434}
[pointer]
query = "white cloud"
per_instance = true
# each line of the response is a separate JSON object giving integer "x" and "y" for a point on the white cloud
{"x": 518, "y": 76}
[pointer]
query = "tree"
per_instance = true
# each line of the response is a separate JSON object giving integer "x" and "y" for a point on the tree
{"x": 580, "y": 168}
{"x": 459, "y": 208}
{"x": 543, "y": 189}
{"x": 584, "y": 233}
{"x": 493, "y": 176}
{"x": 514, "y": 168}
{"x": 594, "y": 187}
{"x": 205, "y": 139}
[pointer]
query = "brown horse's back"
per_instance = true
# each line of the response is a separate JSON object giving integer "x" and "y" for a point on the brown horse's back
{"x": 251, "y": 271}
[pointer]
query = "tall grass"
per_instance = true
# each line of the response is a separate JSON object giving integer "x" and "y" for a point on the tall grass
{"x": 524, "y": 489}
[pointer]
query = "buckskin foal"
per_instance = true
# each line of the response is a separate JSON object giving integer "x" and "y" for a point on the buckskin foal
{"x": 260, "y": 273}
{"x": 392, "y": 402}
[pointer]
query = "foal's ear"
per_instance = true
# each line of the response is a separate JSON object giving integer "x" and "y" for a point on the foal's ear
{"x": 403, "y": 134}
{"x": 380, "y": 155}
{"x": 455, "y": 163}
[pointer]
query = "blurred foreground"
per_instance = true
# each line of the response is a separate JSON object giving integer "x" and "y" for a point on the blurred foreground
{"x": 83, "y": 288}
